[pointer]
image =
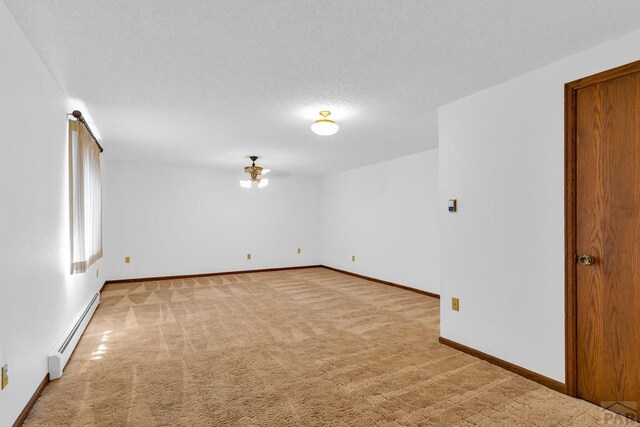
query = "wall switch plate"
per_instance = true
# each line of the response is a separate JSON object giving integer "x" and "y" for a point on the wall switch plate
{"x": 299, "y": 251}
{"x": 248, "y": 256}
{"x": 455, "y": 304}
{"x": 127, "y": 260}
{"x": 353, "y": 258}
{"x": 453, "y": 205}
{"x": 4, "y": 377}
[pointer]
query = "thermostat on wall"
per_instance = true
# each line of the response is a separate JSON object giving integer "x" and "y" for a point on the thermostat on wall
{"x": 453, "y": 205}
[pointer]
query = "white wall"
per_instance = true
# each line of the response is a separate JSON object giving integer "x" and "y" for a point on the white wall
{"x": 386, "y": 215}
{"x": 502, "y": 254}
{"x": 174, "y": 221}
{"x": 39, "y": 299}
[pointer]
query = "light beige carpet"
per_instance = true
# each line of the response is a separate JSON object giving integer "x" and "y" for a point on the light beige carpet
{"x": 305, "y": 347}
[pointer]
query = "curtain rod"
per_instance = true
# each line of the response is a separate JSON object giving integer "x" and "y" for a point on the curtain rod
{"x": 78, "y": 115}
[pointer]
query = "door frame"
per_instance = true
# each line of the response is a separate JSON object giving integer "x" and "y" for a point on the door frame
{"x": 570, "y": 214}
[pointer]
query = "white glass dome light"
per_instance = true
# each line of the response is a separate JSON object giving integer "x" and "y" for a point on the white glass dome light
{"x": 324, "y": 126}
{"x": 247, "y": 183}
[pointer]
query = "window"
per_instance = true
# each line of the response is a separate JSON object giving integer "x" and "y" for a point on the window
{"x": 85, "y": 198}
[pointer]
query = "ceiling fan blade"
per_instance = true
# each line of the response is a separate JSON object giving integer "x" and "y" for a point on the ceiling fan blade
{"x": 276, "y": 174}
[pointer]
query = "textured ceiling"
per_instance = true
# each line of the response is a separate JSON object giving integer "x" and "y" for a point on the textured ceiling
{"x": 207, "y": 83}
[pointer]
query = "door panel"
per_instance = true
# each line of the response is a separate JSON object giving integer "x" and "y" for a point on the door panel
{"x": 608, "y": 228}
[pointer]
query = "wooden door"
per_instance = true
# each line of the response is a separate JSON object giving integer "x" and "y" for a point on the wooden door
{"x": 607, "y": 242}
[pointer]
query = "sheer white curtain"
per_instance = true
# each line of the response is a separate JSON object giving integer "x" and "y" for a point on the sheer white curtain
{"x": 85, "y": 197}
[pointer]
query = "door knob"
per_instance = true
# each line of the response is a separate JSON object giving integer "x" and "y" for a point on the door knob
{"x": 586, "y": 259}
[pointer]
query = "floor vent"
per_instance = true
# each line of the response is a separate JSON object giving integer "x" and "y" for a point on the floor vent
{"x": 63, "y": 350}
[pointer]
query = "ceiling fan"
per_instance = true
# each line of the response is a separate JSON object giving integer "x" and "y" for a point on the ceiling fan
{"x": 256, "y": 175}
{"x": 259, "y": 177}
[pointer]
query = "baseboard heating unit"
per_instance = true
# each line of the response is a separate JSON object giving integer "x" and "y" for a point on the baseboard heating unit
{"x": 63, "y": 350}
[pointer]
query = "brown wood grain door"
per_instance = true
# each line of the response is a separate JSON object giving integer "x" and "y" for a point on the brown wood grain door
{"x": 607, "y": 228}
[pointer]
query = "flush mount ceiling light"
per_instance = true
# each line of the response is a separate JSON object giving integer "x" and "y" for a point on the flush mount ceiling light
{"x": 255, "y": 172}
{"x": 324, "y": 126}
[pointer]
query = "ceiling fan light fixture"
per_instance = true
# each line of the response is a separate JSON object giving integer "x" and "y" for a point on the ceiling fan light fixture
{"x": 255, "y": 172}
{"x": 324, "y": 126}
